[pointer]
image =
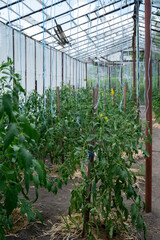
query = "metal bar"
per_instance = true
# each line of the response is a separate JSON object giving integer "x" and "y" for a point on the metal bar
{"x": 84, "y": 15}
{"x": 34, "y": 12}
{"x": 35, "y": 57}
{"x": 10, "y": 4}
{"x": 108, "y": 53}
{"x": 148, "y": 75}
{"x": 87, "y": 27}
{"x": 103, "y": 47}
{"x": 60, "y": 15}
{"x": 110, "y": 35}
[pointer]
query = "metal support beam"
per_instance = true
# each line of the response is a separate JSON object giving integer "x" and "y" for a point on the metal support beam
{"x": 148, "y": 75}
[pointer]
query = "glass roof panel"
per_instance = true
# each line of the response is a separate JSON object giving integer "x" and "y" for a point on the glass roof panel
{"x": 105, "y": 25}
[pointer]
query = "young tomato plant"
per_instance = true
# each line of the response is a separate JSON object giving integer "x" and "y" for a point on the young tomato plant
{"x": 17, "y": 165}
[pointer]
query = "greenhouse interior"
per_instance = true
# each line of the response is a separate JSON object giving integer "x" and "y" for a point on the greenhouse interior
{"x": 79, "y": 119}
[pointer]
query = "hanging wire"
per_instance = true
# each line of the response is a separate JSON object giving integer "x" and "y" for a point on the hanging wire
{"x": 149, "y": 62}
{"x": 121, "y": 59}
{"x": 44, "y": 62}
{"x": 20, "y": 40}
{"x": 10, "y": 29}
{"x": 52, "y": 62}
{"x": 128, "y": 63}
{"x": 137, "y": 40}
{"x": 77, "y": 121}
{"x": 98, "y": 79}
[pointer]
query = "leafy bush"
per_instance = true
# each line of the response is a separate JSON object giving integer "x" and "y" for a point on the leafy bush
{"x": 17, "y": 165}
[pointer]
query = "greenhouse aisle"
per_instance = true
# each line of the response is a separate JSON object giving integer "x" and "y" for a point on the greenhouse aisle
{"x": 53, "y": 206}
{"x": 156, "y": 169}
{"x": 153, "y": 219}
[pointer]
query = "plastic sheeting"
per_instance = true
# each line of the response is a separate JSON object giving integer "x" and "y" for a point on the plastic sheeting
{"x": 37, "y": 62}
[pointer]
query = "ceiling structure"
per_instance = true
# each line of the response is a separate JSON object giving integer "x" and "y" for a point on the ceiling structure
{"x": 84, "y": 29}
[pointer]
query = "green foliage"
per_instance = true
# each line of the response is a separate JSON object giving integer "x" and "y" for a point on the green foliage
{"x": 156, "y": 104}
{"x": 112, "y": 134}
{"x": 18, "y": 168}
{"x": 114, "y": 131}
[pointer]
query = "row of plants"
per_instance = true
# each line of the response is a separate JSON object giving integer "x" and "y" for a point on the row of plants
{"x": 156, "y": 104}
{"x": 99, "y": 139}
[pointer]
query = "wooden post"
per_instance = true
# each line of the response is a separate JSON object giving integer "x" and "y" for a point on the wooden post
{"x": 125, "y": 89}
{"x": 148, "y": 75}
{"x": 90, "y": 166}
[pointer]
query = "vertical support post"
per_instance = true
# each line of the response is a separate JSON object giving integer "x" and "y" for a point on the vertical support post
{"x": 86, "y": 73}
{"x": 35, "y": 72}
{"x": 26, "y": 65}
{"x": 109, "y": 78}
{"x": 148, "y": 75}
{"x": 134, "y": 66}
{"x": 62, "y": 68}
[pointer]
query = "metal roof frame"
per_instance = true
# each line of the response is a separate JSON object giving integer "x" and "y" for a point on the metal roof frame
{"x": 95, "y": 40}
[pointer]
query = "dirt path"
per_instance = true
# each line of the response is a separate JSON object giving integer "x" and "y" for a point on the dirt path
{"x": 153, "y": 219}
{"x": 52, "y": 206}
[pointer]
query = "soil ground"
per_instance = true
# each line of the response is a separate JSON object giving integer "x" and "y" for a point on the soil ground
{"x": 52, "y": 206}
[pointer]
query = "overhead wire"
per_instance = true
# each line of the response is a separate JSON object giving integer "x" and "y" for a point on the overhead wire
{"x": 44, "y": 66}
